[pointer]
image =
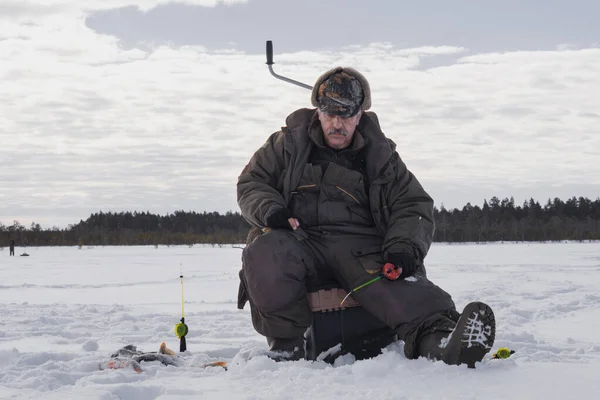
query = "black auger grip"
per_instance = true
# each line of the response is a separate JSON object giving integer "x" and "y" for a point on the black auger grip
{"x": 270, "y": 52}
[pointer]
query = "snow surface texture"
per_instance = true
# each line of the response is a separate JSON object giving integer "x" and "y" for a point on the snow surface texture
{"x": 65, "y": 310}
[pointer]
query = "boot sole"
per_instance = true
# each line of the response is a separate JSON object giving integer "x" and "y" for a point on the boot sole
{"x": 477, "y": 329}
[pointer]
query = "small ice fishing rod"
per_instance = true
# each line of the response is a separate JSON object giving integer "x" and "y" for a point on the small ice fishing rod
{"x": 389, "y": 271}
{"x": 181, "y": 329}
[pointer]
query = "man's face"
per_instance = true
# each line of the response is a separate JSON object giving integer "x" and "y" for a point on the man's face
{"x": 338, "y": 131}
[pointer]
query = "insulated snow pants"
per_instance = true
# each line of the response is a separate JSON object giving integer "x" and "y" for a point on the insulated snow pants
{"x": 278, "y": 266}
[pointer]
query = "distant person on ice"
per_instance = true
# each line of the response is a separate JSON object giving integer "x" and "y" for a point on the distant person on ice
{"x": 12, "y": 247}
{"x": 328, "y": 196}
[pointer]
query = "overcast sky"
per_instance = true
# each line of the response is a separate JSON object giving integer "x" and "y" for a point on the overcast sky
{"x": 124, "y": 105}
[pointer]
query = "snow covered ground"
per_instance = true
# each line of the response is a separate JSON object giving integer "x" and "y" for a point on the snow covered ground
{"x": 65, "y": 310}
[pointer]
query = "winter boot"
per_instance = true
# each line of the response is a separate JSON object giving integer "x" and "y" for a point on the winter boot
{"x": 471, "y": 339}
{"x": 286, "y": 349}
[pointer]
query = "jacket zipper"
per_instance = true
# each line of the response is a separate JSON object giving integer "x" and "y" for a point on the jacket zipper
{"x": 353, "y": 198}
{"x": 305, "y": 186}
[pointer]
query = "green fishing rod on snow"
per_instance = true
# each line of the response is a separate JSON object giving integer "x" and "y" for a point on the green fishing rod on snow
{"x": 181, "y": 329}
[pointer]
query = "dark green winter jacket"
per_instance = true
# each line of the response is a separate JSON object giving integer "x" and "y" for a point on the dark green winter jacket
{"x": 401, "y": 209}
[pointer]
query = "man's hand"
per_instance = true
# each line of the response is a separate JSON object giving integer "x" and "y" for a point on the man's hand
{"x": 282, "y": 219}
{"x": 407, "y": 263}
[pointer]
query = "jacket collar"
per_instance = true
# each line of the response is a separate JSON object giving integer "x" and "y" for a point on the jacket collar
{"x": 303, "y": 123}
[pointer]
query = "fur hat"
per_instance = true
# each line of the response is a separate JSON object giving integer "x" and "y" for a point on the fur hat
{"x": 342, "y": 91}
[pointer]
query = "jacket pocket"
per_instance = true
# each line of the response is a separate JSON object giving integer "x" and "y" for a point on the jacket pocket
{"x": 366, "y": 218}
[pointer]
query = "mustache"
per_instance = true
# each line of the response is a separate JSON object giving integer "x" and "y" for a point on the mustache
{"x": 334, "y": 131}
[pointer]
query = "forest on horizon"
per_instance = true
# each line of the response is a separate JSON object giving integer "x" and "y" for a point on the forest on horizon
{"x": 496, "y": 220}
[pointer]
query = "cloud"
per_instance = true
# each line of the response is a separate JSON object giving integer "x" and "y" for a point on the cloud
{"x": 87, "y": 125}
{"x": 9, "y": 9}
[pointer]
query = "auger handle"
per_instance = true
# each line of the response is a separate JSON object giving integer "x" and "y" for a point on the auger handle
{"x": 270, "y": 63}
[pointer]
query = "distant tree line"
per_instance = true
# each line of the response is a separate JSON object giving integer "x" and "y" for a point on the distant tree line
{"x": 496, "y": 220}
{"x": 137, "y": 228}
{"x": 574, "y": 219}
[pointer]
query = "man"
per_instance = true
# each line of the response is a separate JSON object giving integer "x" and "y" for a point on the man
{"x": 328, "y": 197}
{"x": 12, "y": 247}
